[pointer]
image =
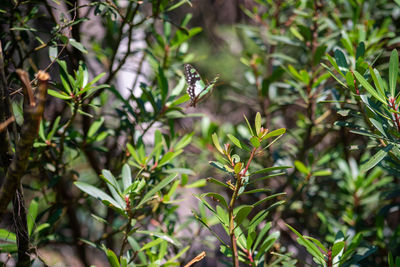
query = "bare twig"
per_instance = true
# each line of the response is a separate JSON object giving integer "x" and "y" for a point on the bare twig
{"x": 196, "y": 259}
{"x": 7, "y": 122}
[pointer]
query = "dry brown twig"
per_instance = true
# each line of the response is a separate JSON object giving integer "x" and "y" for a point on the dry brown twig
{"x": 196, "y": 259}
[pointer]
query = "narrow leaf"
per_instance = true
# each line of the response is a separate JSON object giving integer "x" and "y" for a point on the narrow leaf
{"x": 242, "y": 213}
{"x": 375, "y": 159}
{"x": 369, "y": 87}
{"x": 235, "y": 141}
{"x": 216, "y": 143}
{"x": 393, "y": 71}
{"x": 157, "y": 188}
{"x": 258, "y": 123}
{"x": 126, "y": 176}
{"x": 96, "y": 193}
{"x": 61, "y": 95}
{"x": 337, "y": 248}
{"x": 32, "y": 213}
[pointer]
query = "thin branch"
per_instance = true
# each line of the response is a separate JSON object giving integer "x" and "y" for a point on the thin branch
{"x": 21, "y": 228}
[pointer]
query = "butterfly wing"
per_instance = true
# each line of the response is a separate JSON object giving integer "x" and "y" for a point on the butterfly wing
{"x": 206, "y": 91}
{"x": 196, "y": 84}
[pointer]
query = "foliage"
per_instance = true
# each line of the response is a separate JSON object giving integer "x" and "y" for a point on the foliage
{"x": 123, "y": 152}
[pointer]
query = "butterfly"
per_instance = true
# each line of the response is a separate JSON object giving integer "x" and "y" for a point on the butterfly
{"x": 197, "y": 89}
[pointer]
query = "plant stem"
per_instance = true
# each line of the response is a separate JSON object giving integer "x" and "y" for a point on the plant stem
{"x": 127, "y": 230}
{"x": 21, "y": 228}
{"x": 235, "y": 257}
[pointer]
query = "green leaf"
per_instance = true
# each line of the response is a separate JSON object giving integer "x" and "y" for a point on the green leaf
{"x": 393, "y": 71}
{"x": 335, "y": 66}
{"x": 95, "y": 127}
{"x": 318, "y": 54}
{"x": 369, "y": 87}
{"x": 341, "y": 60}
{"x": 77, "y": 45}
{"x": 157, "y": 188}
{"x": 214, "y": 181}
{"x": 162, "y": 84}
{"x": 169, "y": 156}
{"x": 180, "y": 253}
{"x": 376, "y": 77}
{"x": 235, "y": 141}
{"x": 57, "y": 94}
{"x": 41, "y": 227}
{"x": 242, "y": 213}
{"x": 317, "y": 242}
{"x": 207, "y": 226}
{"x": 184, "y": 141}
{"x": 7, "y": 236}
{"x": 205, "y": 203}
{"x": 216, "y": 143}
{"x": 197, "y": 183}
{"x": 85, "y": 113}
{"x": 220, "y": 166}
{"x": 256, "y": 191}
{"x": 294, "y": 72}
{"x": 266, "y": 244}
{"x": 248, "y": 125}
{"x": 180, "y": 100}
{"x": 337, "y": 248}
{"x": 91, "y": 90}
{"x": 274, "y": 133}
{"x": 256, "y": 220}
{"x": 126, "y": 176}
{"x": 238, "y": 167}
{"x": 110, "y": 179}
{"x": 163, "y": 236}
{"x": 311, "y": 248}
{"x": 251, "y": 236}
{"x": 390, "y": 259}
{"x": 95, "y": 79}
{"x": 124, "y": 262}
{"x": 41, "y": 129}
{"x": 112, "y": 258}
{"x": 258, "y": 123}
{"x": 180, "y": 171}
{"x": 270, "y": 169}
{"x": 270, "y": 197}
{"x": 301, "y": 167}
{"x": 96, "y": 193}
{"x": 32, "y": 213}
{"x": 305, "y": 77}
{"x": 8, "y": 247}
{"x": 322, "y": 173}
{"x": 360, "y": 50}
{"x": 375, "y": 159}
{"x": 220, "y": 199}
{"x": 152, "y": 244}
{"x": 53, "y": 53}
{"x": 174, "y": 6}
{"x": 54, "y": 128}
{"x": 255, "y": 142}
{"x": 134, "y": 154}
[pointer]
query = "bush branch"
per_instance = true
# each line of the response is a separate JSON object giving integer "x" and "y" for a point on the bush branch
{"x": 32, "y": 116}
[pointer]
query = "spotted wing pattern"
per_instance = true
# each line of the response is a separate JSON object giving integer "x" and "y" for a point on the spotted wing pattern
{"x": 193, "y": 79}
{"x": 197, "y": 89}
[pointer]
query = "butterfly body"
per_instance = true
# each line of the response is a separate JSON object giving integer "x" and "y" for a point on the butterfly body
{"x": 197, "y": 89}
